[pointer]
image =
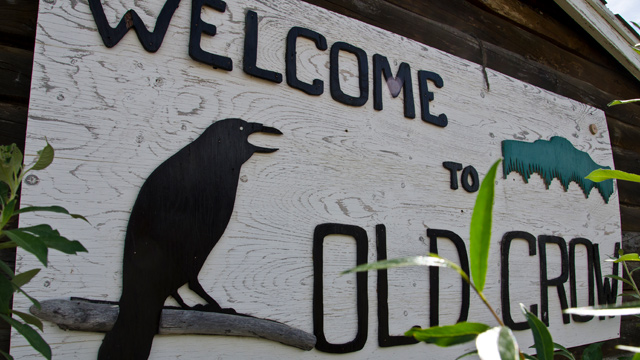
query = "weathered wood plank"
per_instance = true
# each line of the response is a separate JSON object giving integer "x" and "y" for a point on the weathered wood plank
{"x": 18, "y": 25}
{"x": 13, "y": 123}
{"x": 81, "y": 315}
{"x": 624, "y": 135}
{"x": 630, "y": 215}
{"x": 549, "y": 22}
{"x": 15, "y": 72}
{"x": 613, "y": 35}
{"x": 487, "y": 27}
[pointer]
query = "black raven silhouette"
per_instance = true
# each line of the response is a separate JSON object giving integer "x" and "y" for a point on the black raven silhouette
{"x": 181, "y": 212}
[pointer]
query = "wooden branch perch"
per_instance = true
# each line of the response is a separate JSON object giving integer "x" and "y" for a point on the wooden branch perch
{"x": 82, "y": 315}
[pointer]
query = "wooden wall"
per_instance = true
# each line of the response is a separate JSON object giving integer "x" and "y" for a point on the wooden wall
{"x": 531, "y": 40}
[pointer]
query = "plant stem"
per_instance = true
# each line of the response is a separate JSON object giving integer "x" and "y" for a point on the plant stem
{"x": 486, "y": 302}
{"x": 633, "y": 283}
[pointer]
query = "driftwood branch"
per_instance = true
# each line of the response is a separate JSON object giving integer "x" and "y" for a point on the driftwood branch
{"x": 82, "y": 315}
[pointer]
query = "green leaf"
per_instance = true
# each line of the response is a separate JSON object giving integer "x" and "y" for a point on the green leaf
{"x": 6, "y": 356}
{"x": 430, "y": 260}
{"x": 508, "y": 345}
{"x": 626, "y": 257}
{"x": 6, "y": 292}
{"x": 45, "y": 158}
{"x": 52, "y": 239}
{"x": 632, "y": 349}
{"x": 29, "y": 319}
{"x": 20, "y": 279}
{"x": 599, "y": 175}
{"x": 7, "y": 213}
{"x": 35, "y": 340}
{"x": 541, "y": 336}
{"x": 6, "y": 269}
{"x": 467, "y": 354}
{"x": 55, "y": 209}
{"x": 4, "y": 193}
{"x": 480, "y": 235}
{"x": 616, "y": 277}
{"x": 7, "y": 245}
{"x": 529, "y": 357}
{"x": 563, "y": 351}
{"x": 593, "y": 352}
{"x": 448, "y": 335}
{"x": 29, "y": 243}
{"x": 10, "y": 165}
{"x": 622, "y": 102}
{"x": 628, "y": 308}
{"x": 497, "y": 343}
{"x": 35, "y": 302}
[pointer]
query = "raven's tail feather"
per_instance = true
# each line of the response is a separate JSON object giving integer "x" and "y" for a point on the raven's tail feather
{"x": 132, "y": 334}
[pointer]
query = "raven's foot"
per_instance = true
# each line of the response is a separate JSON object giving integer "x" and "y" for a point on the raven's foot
{"x": 214, "y": 308}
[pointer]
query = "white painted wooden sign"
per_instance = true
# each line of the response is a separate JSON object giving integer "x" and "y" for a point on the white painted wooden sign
{"x": 349, "y": 175}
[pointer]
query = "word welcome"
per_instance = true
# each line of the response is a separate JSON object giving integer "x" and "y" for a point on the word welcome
{"x": 607, "y": 291}
{"x": 151, "y": 42}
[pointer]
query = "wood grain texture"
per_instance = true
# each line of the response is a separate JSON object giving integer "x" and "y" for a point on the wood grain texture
{"x": 609, "y": 31}
{"x": 15, "y": 71}
{"x": 13, "y": 121}
{"x": 113, "y": 115}
{"x": 18, "y": 25}
{"x": 550, "y": 23}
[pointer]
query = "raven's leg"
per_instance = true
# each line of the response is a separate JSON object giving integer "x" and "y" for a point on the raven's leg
{"x": 178, "y": 298}
{"x": 212, "y": 305}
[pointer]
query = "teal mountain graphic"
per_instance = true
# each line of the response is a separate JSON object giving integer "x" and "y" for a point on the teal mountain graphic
{"x": 556, "y": 158}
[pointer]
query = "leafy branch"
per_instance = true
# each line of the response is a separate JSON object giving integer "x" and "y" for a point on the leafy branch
{"x": 34, "y": 239}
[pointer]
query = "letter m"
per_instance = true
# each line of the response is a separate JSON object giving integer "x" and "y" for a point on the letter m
{"x": 151, "y": 41}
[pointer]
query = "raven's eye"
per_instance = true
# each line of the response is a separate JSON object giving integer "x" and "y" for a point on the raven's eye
{"x": 241, "y": 128}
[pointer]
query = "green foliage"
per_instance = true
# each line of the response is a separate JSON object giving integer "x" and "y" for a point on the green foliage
{"x": 592, "y": 352}
{"x": 499, "y": 342}
{"x": 599, "y": 175}
{"x": 480, "y": 234}
{"x": 35, "y": 239}
{"x": 541, "y": 336}
{"x": 448, "y": 335}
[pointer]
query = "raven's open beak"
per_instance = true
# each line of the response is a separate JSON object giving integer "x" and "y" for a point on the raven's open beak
{"x": 255, "y": 127}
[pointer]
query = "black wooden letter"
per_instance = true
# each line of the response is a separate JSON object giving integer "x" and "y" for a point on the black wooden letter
{"x": 572, "y": 278}
{"x": 198, "y": 27}
{"x": 504, "y": 277}
{"x": 334, "y": 74}
{"x": 426, "y": 97}
{"x": 470, "y": 171}
{"x": 558, "y": 282}
{"x": 434, "y": 276}
{"x": 607, "y": 290}
{"x": 151, "y": 41}
{"x": 251, "y": 51}
{"x": 384, "y": 339}
{"x": 360, "y": 236}
{"x": 317, "y": 87}
{"x": 402, "y": 81}
{"x": 453, "y": 168}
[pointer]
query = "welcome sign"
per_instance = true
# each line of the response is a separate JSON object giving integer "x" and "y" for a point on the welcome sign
{"x": 235, "y": 157}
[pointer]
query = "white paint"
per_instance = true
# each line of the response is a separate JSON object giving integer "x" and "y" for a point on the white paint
{"x": 113, "y": 115}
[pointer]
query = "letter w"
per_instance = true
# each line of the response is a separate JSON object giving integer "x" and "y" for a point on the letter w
{"x": 151, "y": 41}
